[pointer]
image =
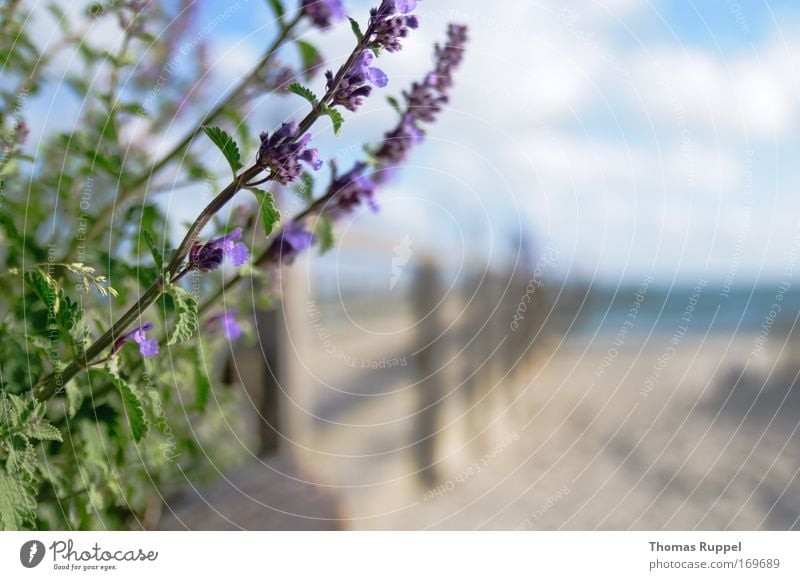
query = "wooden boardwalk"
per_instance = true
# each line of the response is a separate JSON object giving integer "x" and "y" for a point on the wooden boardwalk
{"x": 269, "y": 495}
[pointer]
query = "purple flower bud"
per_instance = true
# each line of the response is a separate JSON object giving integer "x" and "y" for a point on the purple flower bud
{"x": 204, "y": 257}
{"x": 147, "y": 346}
{"x": 282, "y": 154}
{"x": 311, "y": 156}
{"x": 391, "y": 7}
{"x": 351, "y": 189}
{"x": 425, "y": 100}
{"x": 448, "y": 58}
{"x": 293, "y": 239}
{"x": 323, "y": 12}
{"x": 207, "y": 257}
{"x": 398, "y": 143}
{"x": 390, "y": 29}
{"x": 227, "y": 322}
{"x": 423, "y": 103}
{"x": 353, "y": 88}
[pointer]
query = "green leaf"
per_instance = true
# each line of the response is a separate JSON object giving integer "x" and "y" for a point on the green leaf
{"x": 305, "y": 187}
{"x": 356, "y": 29}
{"x": 226, "y": 145}
{"x": 324, "y": 231}
{"x": 134, "y": 407}
{"x": 269, "y": 215}
{"x": 79, "y": 330}
{"x": 277, "y": 8}
{"x": 22, "y": 461}
{"x": 43, "y": 431}
{"x": 309, "y": 57}
{"x": 112, "y": 165}
{"x": 185, "y": 314}
{"x": 304, "y": 92}
{"x": 74, "y": 398}
{"x": 395, "y": 104}
{"x": 16, "y": 504}
{"x": 241, "y": 126}
{"x": 45, "y": 288}
{"x": 202, "y": 382}
{"x": 336, "y": 118}
{"x": 150, "y": 239}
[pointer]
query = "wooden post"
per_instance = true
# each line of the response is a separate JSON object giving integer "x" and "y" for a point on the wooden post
{"x": 269, "y": 400}
{"x": 427, "y": 292}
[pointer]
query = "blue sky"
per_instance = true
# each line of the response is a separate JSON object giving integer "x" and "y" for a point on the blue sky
{"x": 634, "y": 137}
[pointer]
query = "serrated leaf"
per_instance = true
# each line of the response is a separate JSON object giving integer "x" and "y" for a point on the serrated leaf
{"x": 309, "y": 57}
{"x": 356, "y": 29}
{"x": 324, "y": 232}
{"x": 43, "y": 431}
{"x": 185, "y": 324}
{"x": 269, "y": 214}
{"x": 336, "y": 118}
{"x": 134, "y": 408}
{"x": 226, "y": 144}
{"x": 79, "y": 330}
{"x": 74, "y": 398}
{"x": 45, "y": 288}
{"x": 16, "y": 504}
{"x": 241, "y": 126}
{"x": 22, "y": 460}
{"x": 304, "y": 92}
{"x": 277, "y": 8}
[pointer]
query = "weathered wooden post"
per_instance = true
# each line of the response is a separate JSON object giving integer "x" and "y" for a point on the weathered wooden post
{"x": 269, "y": 405}
{"x": 427, "y": 292}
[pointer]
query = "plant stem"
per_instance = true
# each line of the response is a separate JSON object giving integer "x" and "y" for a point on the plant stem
{"x": 154, "y": 169}
{"x": 51, "y": 384}
{"x": 48, "y": 387}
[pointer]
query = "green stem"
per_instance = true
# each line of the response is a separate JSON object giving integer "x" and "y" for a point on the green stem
{"x": 56, "y": 380}
{"x": 48, "y": 387}
{"x": 51, "y": 384}
{"x": 154, "y": 169}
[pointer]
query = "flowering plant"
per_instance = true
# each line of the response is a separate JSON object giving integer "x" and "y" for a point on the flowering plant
{"x": 91, "y": 428}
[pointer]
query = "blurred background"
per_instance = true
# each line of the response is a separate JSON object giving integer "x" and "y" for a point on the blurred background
{"x": 576, "y": 308}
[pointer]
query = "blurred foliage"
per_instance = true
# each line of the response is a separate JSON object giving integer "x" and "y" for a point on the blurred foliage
{"x": 80, "y": 239}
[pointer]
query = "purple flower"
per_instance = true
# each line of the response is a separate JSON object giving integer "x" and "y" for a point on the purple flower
{"x": 147, "y": 346}
{"x": 323, "y": 12}
{"x": 293, "y": 239}
{"x": 282, "y": 153}
{"x": 207, "y": 257}
{"x": 389, "y": 29}
{"x": 389, "y": 8}
{"x": 354, "y": 87}
{"x": 398, "y": 143}
{"x": 405, "y": 6}
{"x": 230, "y": 327}
{"x": 423, "y": 103}
{"x": 448, "y": 58}
{"x": 425, "y": 100}
{"x": 351, "y": 189}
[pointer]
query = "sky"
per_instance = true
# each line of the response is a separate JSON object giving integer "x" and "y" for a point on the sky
{"x": 633, "y": 138}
